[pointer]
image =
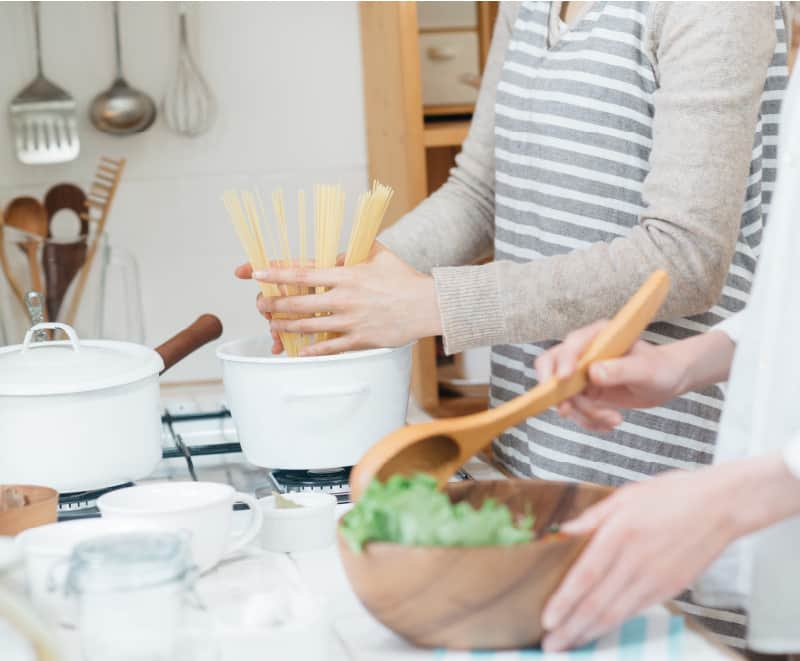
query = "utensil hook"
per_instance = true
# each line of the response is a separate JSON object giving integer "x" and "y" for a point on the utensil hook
{"x": 182, "y": 10}
{"x": 117, "y": 47}
{"x": 37, "y": 33}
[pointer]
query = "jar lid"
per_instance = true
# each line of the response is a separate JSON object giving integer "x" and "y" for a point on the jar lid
{"x": 128, "y": 561}
{"x": 51, "y": 368}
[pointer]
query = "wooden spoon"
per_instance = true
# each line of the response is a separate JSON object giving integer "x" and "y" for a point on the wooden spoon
{"x": 62, "y": 261}
{"x": 440, "y": 447}
{"x": 28, "y": 214}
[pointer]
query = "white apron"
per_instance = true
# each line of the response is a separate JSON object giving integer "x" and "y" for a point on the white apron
{"x": 762, "y": 413}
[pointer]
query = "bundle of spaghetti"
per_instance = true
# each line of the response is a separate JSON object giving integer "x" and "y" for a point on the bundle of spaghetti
{"x": 370, "y": 211}
{"x": 265, "y": 248}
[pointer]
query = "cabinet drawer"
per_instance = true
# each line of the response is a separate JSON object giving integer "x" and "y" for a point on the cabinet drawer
{"x": 447, "y": 58}
{"x": 438, "y": 15}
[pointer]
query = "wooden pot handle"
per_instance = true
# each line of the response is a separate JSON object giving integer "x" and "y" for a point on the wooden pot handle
{"x": 206, "y": 329}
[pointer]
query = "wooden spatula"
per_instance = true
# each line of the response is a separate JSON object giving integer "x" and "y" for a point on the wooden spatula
{"x": 62, "y": 261}
{"x": 440, "y": 447}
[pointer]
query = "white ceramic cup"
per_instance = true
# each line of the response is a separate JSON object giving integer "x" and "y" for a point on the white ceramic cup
{"x": 203, "y": 509}
{"x": 45, "y": 548}
{"x": 306, "y": 528}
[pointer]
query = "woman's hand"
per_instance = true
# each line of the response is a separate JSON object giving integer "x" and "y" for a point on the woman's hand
{"x": 653, "y": 538}
{"x": 648, "y": 375}
{"x": 245, "y": 272}
{"x": 383, "y": 302}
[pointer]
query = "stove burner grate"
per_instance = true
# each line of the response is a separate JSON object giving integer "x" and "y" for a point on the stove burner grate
{"x": 335, "y": 481}
{"x": 83, "y": 504}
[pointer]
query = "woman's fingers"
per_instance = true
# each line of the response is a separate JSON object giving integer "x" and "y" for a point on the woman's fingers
{"x": 321, "y": 324}
{"x": 602, "y": 417}
{"x": 573, "y": 346}
{"x": 328, "y": 347}
{"x": 586, "y": 574}
{"x": 303, "y": 277}
{"x": 593, "y": 613}
{"x": 296, "y": 305}
{"x": 244, "y": 271}
{"x": 629, "y": 370}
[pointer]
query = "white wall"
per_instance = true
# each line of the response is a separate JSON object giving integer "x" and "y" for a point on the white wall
{"x": 287, "y": 77}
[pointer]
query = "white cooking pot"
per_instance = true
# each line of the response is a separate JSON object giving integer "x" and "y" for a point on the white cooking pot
{"x": 78, "y": 415}
{"x": 316, "y": 412}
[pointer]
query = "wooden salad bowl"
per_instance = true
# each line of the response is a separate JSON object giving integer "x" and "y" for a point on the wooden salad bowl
{"x": 488, "y": 597}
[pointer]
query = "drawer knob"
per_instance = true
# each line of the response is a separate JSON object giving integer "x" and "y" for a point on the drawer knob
{"x": 440, "y": 53}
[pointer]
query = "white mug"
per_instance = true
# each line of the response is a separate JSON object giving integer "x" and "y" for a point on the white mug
{"x": 203, "y": 509}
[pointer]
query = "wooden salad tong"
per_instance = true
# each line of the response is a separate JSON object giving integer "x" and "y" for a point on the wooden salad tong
{"x": 440, "y": 447}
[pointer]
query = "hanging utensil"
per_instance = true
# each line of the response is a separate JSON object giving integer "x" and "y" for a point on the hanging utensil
{"x": 101, "y": 195}
{"x": 122, "y": 109}
{"x": 440, "y": 447}
{"x": 62, "y": 259}
{"x": 33, "y": 299}
{"x": 13, "y": 283}
{"x": 189, "y": 106}
{"x": 43, "y": 117}
{"x": 28, "y": 215}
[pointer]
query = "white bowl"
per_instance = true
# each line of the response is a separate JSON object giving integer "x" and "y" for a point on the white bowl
{"x": 307, "y": 528}
{"x": 311, "y": 413}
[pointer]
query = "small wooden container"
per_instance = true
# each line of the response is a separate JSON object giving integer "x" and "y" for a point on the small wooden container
{"x": 488, "y": 597}
{"x": 41, "y": 508}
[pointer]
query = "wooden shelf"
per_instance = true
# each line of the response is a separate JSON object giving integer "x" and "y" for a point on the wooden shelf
{"x": 445, "y": 134}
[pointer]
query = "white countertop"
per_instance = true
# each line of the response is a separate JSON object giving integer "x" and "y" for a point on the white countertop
{"x": 340, "y": 629}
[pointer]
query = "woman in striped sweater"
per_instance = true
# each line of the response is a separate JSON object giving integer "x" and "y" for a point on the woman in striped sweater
{"x": 609, "y": 139}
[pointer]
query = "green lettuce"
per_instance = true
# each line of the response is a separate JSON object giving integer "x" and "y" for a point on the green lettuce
{"x": 413, "y": 512}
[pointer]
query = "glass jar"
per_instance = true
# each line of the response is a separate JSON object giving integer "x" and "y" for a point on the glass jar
{"x": 109, "y": 305}
{"x": 130, "y": 590}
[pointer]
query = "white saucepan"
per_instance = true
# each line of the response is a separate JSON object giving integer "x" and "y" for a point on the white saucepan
{"x": 316, "y": 412}
{"x": 78, "y": 415}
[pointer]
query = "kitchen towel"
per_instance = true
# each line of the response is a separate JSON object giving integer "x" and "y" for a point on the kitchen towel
{"x": 656, "y": 635}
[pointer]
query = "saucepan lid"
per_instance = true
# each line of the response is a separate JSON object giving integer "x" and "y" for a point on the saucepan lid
{"x": 72, "y": 366}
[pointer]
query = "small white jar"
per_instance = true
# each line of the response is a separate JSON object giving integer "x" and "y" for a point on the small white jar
{"x": 309, "y": 527}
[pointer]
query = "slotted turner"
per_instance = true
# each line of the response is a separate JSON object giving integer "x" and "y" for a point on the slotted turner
{"x": 43, "y": 117}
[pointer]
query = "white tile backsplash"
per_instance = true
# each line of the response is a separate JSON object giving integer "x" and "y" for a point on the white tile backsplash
{"x": 287, "y": 77}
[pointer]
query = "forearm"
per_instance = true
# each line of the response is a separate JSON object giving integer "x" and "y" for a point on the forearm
{"x": 704, "y": 359}
{"x": 754, "y": 493}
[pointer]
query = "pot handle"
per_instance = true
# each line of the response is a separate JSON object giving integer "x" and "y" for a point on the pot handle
{"x": 327, "y": 393}
{"x": 69, "y": 331}
{"x": 205, "y": 329}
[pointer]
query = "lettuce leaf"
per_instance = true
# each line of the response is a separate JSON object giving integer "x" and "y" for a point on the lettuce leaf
{"x": 411, "y": 511}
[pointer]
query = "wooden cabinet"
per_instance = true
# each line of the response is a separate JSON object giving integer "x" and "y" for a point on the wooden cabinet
{"x": 411, "y": 146}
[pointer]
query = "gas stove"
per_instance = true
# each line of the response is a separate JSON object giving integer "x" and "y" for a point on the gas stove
{"x": 199, "y": 442}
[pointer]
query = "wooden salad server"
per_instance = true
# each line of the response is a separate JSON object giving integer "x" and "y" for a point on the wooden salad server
{"x": 440, "y": 447}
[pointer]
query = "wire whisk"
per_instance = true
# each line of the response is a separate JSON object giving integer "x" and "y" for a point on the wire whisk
{"x": 189, "y": 106}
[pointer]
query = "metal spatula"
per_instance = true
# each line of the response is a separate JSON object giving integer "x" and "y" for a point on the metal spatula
{"x": 43, "y": 117}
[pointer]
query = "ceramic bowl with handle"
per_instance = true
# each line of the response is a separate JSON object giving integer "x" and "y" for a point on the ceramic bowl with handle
{"x": 488, "y": 597}
{"x": 316, "y": 412}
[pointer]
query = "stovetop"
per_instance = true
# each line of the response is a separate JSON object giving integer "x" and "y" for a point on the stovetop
{"x": 199, "y": 442}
